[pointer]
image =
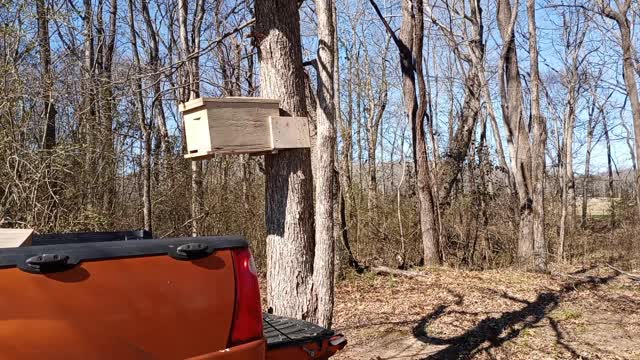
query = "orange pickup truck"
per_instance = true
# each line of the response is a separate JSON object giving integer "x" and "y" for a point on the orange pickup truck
{"x": 125, "y": 296}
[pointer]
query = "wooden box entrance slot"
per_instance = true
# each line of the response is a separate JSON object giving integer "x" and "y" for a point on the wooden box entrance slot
{"x": 240, "y": 125}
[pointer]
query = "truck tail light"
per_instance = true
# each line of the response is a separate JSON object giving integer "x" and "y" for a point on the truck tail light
{"x": 247, "y": 317}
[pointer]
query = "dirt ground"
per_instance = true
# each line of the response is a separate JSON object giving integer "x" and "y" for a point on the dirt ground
{"x": 587, "y": 312}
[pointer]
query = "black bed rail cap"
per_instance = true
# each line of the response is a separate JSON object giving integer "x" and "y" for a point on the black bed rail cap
{"x": 76, "y": 253}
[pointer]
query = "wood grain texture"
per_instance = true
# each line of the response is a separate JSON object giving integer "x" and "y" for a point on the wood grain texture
{"x": 11, "y": 238}
{"x": 289, "y": 132}
{"x": 240, "y": 126}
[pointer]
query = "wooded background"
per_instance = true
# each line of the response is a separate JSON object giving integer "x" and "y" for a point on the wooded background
{"x": 469, "y": 132}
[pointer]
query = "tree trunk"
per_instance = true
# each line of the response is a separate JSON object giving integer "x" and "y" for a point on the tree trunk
{"x": 568, "y": 135}
{"x": 587, "y": 164}
{"x": 626, "y": 41}
{"x": 289, "y": 187}
{"x": 44, "y": 46}
{"x": 563, "y": 214}
{"x": 409, "y": 45}
{"x": 190, "y": 90}
{"x": 517, "y": 134}
{"x": 144, "y": 128}
{"x": 452, "y": 162}
{"x": 450, "y": 167}
{"x": 538, "y": 147}
{"x": 157, "y": 101}
{"x": 428, "y": 219}
{"x": 372, "y": 181}
{"x": 573, "y": 43}
{"x": 88, "y": 119}
{"x": 323, "y": 266}
{"x": 377, "y": 106}
{"x": 632, "y": 90}
{"x": 612, "y": 214}
{"x": 107, "y": 109}
{"x": 496, "y": 132}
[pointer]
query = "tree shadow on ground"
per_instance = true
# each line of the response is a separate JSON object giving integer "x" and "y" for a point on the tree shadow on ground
{"x": 511, "y": 323}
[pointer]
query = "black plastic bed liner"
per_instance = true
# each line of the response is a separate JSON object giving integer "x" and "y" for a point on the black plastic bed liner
{"x": 281, "y": 331}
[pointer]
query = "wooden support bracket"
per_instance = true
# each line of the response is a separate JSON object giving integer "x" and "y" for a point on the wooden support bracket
{"x": 289, "y": 132}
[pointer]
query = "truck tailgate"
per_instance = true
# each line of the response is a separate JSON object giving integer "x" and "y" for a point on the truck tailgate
{"x": 119, "y": 299}
{"x": 291, "y": 338}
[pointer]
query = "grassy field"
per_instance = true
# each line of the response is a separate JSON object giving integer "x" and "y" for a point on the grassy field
{"x": 597, "y": 206}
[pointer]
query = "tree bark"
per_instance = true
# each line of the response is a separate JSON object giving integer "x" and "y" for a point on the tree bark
{"x": 323, "y": 266}
{"x": 517, "y": 133}
{"x": 428, "y": 218}
{"x": 289, "y": 187}
{"x": 538, "y": 147}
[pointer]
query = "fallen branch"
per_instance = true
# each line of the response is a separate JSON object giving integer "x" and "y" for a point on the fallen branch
{"x": 389, "y": 271}
{"x": 631, "y": 276}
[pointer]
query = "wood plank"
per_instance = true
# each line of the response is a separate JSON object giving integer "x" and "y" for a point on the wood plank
{"x": 289, "y": 132}
{"x": 12, "y": 238}
{"x": 240, "y": 126}
{"x": 225, "y": 100}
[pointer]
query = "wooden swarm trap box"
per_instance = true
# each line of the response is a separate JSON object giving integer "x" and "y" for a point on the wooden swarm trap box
{"x": 240, "y": 125}
{"x": 11, "y": 238}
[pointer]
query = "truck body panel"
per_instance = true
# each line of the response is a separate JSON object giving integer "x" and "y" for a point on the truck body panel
{"x": 138, "y": 306}
{"x": 97, "y": 296}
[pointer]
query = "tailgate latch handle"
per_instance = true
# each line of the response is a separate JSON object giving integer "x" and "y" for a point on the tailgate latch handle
{"x": 47, "y": 262}
{"x": 191, "y": 251}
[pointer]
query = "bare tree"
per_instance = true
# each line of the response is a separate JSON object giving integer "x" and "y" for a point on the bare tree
{"x": 191, "y": 90}
{"x": 538, "y": 147}
{"x": 574, "y": 32}
{"x": 429, "y": 224}
{"x": 157, "y": 106}
{"x": 323, "y": 265}
{"x": 621, "y": 17}
{"x": 587, "y": 162}
{"x": 377, "y": 108}
{"x": 517, "y": 133}
{"x": 409, "y": 44}
{"x": 105, "y": 51}
{"x": 44, "y": 45}
{"x": 145, "y": 128}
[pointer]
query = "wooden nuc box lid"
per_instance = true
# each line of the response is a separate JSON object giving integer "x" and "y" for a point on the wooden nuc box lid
{"x": 240, "y": 125}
